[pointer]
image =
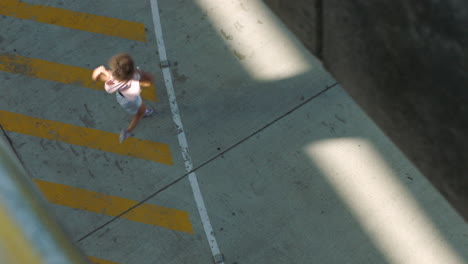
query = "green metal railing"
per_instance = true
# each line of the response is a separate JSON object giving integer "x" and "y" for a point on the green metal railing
{"x": 28, "y": 232}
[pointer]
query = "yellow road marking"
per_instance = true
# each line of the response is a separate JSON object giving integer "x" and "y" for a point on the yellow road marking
{"x": 72, "y": 19}
{"x": 57, "y": 72}
{"x": 86, "y": 137}
{"x": 100, "y": 261}
{"x": 112, "y": 205}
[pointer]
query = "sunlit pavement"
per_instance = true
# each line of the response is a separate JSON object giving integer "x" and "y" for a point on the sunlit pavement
{"x": 290, "y": 169}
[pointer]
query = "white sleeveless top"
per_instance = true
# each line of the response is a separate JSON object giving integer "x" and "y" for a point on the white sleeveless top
{"x": 129, "y": 89}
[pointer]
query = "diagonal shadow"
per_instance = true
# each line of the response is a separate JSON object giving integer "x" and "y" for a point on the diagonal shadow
{"x": 226, "y": 104}
{"x": 222, "y": 103}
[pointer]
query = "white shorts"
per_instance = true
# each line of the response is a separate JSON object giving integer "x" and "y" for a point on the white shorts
{"x": 129, "y": 106}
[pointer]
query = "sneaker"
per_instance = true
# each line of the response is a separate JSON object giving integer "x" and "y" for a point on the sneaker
{"x": 124, "y": 134}
{"x": 148, "y": 112}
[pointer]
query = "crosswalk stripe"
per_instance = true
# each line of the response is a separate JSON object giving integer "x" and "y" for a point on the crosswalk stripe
{"x": 72, "y": 19}
{"x": 57, "y": 72}
{"x": 100, "y": 261}
{"x": 150, "y": 214}
{"x": 86, "y": 137}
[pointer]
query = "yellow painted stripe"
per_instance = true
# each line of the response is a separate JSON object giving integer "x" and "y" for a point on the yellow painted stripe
{"x": 86, "y": 137}
{"x": 100, "y": 261}
{"x": 57, "y": 72}
{"x": 76, "y": 20}
{"x": 112, "y": 205}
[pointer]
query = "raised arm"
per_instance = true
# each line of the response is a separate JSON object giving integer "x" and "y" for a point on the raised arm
{"x": 101, "y": 74}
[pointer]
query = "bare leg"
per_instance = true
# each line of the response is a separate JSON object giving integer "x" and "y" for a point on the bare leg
{"x": 137, "y": 117}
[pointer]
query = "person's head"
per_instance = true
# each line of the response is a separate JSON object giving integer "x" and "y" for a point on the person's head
{"x": 122, "y": 67}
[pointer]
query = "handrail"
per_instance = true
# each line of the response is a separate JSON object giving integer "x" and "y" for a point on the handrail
{"x": 28, "y": 232}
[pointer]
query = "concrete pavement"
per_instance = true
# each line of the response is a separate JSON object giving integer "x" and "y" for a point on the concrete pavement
{"x": 291, "y": 170}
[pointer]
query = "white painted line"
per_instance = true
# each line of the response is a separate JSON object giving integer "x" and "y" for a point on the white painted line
{"x": 216, "y": 253}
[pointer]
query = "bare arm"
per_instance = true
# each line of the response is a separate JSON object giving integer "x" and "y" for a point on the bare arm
{"x": 146, "y": 79}
{"x": 101, "y": 74}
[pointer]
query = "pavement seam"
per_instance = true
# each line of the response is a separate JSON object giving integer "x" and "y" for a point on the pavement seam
{"x": 266, "y": 126}
{"x": 209, "y": 161}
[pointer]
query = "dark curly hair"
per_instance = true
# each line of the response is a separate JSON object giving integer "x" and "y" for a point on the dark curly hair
{"x": 122, "y": 67}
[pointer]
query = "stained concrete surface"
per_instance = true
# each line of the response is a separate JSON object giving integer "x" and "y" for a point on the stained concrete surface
{"x": 405, "y": 64}
{"x": 269, "y": 199}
